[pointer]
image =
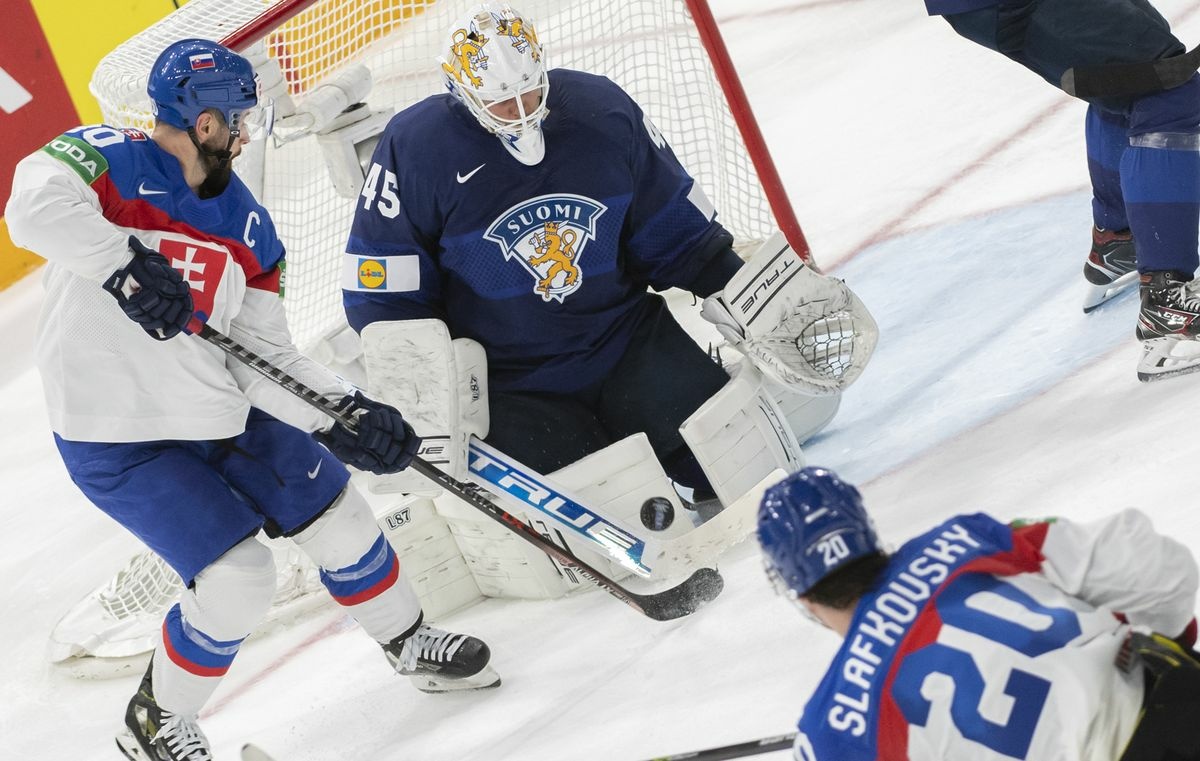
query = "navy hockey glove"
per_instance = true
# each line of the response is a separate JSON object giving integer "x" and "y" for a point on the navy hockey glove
{"x": 151, "y": 292}
{"x": 382, "y": 441}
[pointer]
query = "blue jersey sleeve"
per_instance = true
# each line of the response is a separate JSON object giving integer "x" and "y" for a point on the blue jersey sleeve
{"x": 389, "y": 270}
{"x": 672, "y": 229}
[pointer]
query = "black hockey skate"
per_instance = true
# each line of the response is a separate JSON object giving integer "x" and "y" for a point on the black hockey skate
{"x": 441, "y": 661}
{"x": 152, "y": 734}
{"x": 1111, "y": 266}
{"x": 1168, "y": 325}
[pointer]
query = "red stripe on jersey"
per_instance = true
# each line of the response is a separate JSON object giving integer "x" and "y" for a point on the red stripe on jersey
{"x": 185, "y": 663}
{"x": 139, "y": 214}
{"x": 1033, "y": 533}
{"x": 376, "y": 589}
{"x": 1024, "y": 557}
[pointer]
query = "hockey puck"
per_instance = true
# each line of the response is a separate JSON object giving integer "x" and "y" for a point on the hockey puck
{"x": 657, "y": 513}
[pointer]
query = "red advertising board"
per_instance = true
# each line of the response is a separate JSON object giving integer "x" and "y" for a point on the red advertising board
{"x": 34, "y": 107}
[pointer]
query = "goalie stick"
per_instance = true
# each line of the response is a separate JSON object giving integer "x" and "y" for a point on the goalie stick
{"x": 675, "y": 602}
{"x": 665, "y": 558}
{"x": 737, "y": 750}
{"x": 1118, "y": 80}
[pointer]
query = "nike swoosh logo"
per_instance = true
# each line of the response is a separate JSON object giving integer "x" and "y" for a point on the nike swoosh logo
{"x": 313, "y": 473}
{"x": 464, "y": 177}
{"x": 144, "y": 191}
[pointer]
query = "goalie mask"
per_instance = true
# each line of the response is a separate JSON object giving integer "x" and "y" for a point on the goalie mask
{"x": 495, "y": 67}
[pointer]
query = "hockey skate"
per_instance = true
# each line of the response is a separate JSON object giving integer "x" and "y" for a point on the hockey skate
{"x": 1167, "y": 326}
{"x": 441, "y": 661}
{"x": 152, "y": 734}
{"x": 1111, "y": 266}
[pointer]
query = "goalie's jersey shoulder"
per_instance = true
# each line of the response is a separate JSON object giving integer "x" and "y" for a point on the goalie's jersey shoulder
{"x": 140, "y": 186}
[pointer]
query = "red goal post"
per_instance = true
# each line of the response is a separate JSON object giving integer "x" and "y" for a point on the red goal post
{"x": 668, "y": 54}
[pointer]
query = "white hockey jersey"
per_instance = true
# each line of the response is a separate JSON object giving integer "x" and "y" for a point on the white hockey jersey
{"x": 75, "y": 202}
{"x": 985, "y": 642}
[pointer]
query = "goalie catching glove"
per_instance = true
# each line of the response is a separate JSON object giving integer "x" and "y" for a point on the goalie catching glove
{"x": 805, "y": 330}
{"x": 381, "y": 442}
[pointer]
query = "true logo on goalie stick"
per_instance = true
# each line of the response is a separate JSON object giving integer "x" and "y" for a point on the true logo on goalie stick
{"x": 529, "y": 490}
{"x": 547, "y": 235}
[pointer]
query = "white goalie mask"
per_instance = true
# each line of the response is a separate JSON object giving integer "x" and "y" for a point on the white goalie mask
{"x": 495, "y": 66}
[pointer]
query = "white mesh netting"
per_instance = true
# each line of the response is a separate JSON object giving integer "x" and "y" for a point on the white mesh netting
{"x": 650, "y": 47}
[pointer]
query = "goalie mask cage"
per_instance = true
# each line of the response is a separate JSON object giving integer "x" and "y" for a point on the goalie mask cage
{"x": 666, "y": 53}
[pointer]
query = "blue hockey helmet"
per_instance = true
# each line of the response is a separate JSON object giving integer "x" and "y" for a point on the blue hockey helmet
{"x": 193, "y": 75}
{"x": 809, "y": 525}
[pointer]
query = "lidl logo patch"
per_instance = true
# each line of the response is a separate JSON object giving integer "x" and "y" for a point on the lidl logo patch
{"x": 372, "y": 274}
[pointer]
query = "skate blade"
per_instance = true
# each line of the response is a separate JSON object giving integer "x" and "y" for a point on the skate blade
{"x": 1168, "y": 357}
{"x": 484, "y": 680}
{"x": 1099, "y": 294}
{"x": 127, "y": 744}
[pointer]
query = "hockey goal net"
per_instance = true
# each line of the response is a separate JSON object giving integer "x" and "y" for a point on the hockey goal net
{"x": 666, "y": 53}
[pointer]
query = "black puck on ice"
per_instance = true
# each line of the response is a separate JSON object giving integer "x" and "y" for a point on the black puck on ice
{"x": 657, "y": 513}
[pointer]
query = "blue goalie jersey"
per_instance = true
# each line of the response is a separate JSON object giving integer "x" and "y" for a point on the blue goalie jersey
{"x": 546, "y": 266}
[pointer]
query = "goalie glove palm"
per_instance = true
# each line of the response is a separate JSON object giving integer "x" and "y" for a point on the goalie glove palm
{"x": 381, "y": 442}
{"x": 151, "y": 292}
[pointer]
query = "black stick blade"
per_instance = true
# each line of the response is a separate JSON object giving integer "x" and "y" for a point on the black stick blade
{"x": 685, "y": 598}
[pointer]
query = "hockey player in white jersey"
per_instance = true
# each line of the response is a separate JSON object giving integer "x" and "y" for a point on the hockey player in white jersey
{"x": 980, "y": 641}
{"x": 148, "y": 236}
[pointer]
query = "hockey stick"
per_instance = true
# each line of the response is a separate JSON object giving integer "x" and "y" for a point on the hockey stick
{"x": 680, "y": 600}
{"x": 523, "y": 488}
{"x": 737, "y": 750}
{"x": 1118, "y": 80}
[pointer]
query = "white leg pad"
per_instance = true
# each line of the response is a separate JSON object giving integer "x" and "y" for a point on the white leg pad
{"x": 806, "y": 414}
{"x": 503, "y": 564}
{"x": 614, "y": 482}
{"x": 438, "y": 384}
{"x": 428, "y": 553}
{"x": 740, "y": 436}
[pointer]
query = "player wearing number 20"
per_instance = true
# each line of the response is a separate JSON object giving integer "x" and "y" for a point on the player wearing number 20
{"x": 980, "y": 640}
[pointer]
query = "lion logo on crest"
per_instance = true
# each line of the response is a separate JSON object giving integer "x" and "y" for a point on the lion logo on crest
{"x": 547, "y": 236}
{"x": 557, "y": 250}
